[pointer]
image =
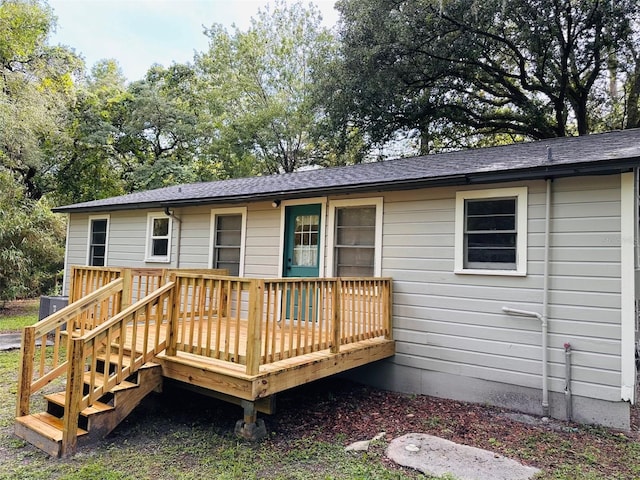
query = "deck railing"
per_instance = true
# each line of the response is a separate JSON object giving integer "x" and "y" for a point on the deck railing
{"x": 253, "y": 322}
{"x": 45, "y": 345}
{"x": 125, "y": 317}
{"x": 122, "y": 345}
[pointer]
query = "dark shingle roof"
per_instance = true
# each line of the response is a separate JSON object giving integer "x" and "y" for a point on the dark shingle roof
{"x": 593, "y": 154}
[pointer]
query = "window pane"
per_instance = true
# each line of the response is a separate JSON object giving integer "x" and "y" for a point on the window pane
{"x": 234, "y": 268}
{"x": 99, "y": 231}
{"x": 229, "y": 254}
{"x": 160, "y": 227}
{"x": 491, "y": 240}
{"x": 229, "y": 222}
{"x": 500, "y": 222}
{"x": 97, "y": 256}
{"x": 351, "y": 260}
{"x": 356, "y": 235}
{"x": 160, "y": 247}
{"x": 98, "y": 241}
{"x": 305, "y": 255}
{"x": 492, "y": 255}
{"x": 491, "y": 207}
{"x": 228, "y": 238}
{"x": 356, "y": 226}
{"x": 357, "y": 216}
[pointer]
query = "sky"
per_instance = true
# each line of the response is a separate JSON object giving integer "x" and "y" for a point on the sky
{"x": 139, "y": 33}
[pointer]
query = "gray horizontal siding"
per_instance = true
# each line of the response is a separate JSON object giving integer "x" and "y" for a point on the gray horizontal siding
{"x": 454, "y": 323}
{"x": 263, "y": 241}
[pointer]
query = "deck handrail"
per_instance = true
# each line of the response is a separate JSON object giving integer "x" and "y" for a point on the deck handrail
{"x": 107, "y": 343}
{"x": 34, "y": 360}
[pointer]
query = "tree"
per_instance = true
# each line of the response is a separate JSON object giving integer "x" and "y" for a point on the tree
{"x": 31, "y": 242}
{"x": 257, "y": 85}
{"x": 89, "y": 166}
{"x": 455, "y": 70}
{"x": 158, "y": 130}
{"x": 36, "y": 90}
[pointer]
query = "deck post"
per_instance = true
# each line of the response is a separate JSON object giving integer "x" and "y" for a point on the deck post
{"x": 25, "y": 375}
{"x": 173, "y": 315}
{"x": 336, "y": 301}
{"x": 250, "y": 427}
{"x": 388, "y": 299}
{"x": 73, "y": 397}
{"x": 127, "y": 289}
{"x": 254, "y": 326}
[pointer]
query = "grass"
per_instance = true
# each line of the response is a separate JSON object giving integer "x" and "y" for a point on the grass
{"x": 184, "y": 436}
{"x": 154, "y": 443}
{"x": 13, "y": 322}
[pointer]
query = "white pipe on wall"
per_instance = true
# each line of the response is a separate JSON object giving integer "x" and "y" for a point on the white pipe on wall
{"x": 543, "y": 317}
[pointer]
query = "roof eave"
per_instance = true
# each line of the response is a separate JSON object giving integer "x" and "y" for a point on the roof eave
{"x": 605, "y": 167}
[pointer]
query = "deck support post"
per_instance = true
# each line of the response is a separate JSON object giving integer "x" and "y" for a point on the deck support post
{"x": 336, "y": 301}
{"x": 73, "y": 397}
{"x": 250, "y": 427}
{"x": 126, "y": 288}
{"x": 388, "y": 302}
{"x": 173, "y": 315}
{"x": 254, "y": 326}
{"x": 25, "y": 375}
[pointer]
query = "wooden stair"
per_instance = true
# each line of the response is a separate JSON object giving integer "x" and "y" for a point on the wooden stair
{"x": 44, "y": 430}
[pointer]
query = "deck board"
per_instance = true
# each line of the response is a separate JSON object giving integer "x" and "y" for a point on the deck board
{"x": 278, "y": 349}
{"x": 197, "y": 363}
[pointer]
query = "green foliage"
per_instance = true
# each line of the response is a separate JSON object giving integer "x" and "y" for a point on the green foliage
{"x": 36, "y": 91}
{"x": 456, "y": 70}
{"x": 31, "y": 243}
{"x": 256, "y": 88}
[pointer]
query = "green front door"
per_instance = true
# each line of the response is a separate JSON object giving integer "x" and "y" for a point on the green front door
{"x": 302, "y": 241}
{"x": 301, "y": 258}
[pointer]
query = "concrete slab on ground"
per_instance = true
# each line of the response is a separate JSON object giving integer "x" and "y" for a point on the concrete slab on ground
{"x": 12, "y": 341}
{"x": 436, "y": 456}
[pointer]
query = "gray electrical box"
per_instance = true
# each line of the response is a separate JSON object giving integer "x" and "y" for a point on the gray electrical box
{"x": 49, "y": 305}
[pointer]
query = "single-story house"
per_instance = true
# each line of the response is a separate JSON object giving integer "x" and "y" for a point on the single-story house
{"x": 514, "y": 267}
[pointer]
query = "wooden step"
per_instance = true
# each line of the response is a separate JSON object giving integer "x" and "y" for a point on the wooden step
{"x": 99, "y": 381}
{"x": 44, "y": 431}
{"x": 97, "y": 407}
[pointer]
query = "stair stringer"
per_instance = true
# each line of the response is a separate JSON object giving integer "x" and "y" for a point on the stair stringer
{"x": 124, "y": 401}
{"x": 44, "y": 430}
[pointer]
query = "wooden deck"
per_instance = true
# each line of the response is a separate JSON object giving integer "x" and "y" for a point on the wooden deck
{"x": 237, "y": 338}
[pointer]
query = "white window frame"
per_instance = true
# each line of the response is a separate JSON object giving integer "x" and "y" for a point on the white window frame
{"x": 106, "y": 239}
{"x": 215, "y": 212}
{"x": 378, "y": 203}
{"x": 151, "y": 216}
{"x": 520, "y": 194}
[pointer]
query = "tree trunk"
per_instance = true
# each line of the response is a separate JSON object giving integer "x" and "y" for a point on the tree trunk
{"x": 633, "y": 106}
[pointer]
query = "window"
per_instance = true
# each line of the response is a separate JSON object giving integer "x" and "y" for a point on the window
{"x": 228, "y": 233}
{"x": 159, "y": 238}
{"x": 491, "y": 231}
{"x": 98, "y": 233}
{"x": 306, "y": 238}
{"x": 356, "y": 243}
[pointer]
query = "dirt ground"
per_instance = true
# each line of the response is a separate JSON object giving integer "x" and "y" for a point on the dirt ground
{"x": 339, "y": 411}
